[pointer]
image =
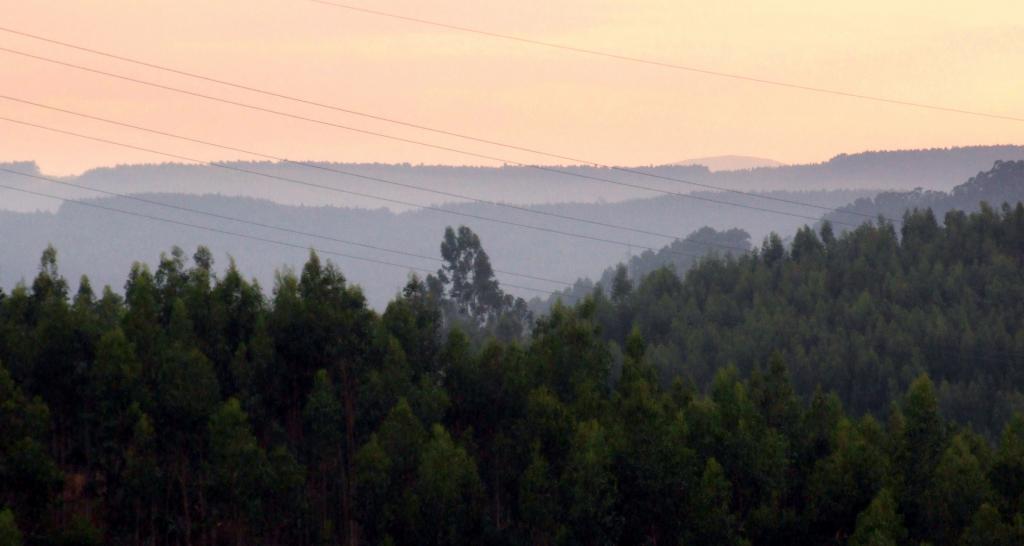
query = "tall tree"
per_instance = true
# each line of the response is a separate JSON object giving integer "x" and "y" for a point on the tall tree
{"x": 468, "y": 283}
{"x": 237, "y": 471}
{"x": 880, "y": 524}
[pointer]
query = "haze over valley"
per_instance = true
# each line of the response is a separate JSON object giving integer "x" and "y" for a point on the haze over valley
{"x": 33, "y": 221}
{"x": 533, "y": 273}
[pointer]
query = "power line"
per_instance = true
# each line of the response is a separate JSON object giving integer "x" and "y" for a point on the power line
{"x": 339, "y": 190}
{"x": 263, "y": 225}
{"x": 1000, "y": 358}
{"x": 242, "y": 235}
{"x": 375, "y": 179}
{"x": 464, "y": 136}
{"x": 674, "y": 66}
{"x": 418, "y": 142}
{"x": 349, "y": 256}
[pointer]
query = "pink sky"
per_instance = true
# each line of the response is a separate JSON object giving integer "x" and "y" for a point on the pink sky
{"x": 943, "y": 53}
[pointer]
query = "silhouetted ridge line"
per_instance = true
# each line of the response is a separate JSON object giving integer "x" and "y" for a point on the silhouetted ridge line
{"x": 339, "y": 190}
{"x": 413, "y": 125}
{"x": 385, "y": 181}
{"x": 264, "y": 225}
{"x": 236, "y": 234}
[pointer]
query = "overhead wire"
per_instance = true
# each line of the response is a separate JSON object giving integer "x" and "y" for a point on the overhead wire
{"x": 421, "y": 143}
{"x": 328, "y": 168}
{"x": 674, "y": 66}
{"x": 242, "y": 235}
{"x": 340, "y": 190}
{"x": 446, "y": 132}
{"x": 263, "y": 225}
{"x": 982, "y": 355}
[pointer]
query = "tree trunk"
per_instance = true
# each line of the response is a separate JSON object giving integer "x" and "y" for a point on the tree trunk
{"x": 348, "y": 475}
{"x": 186, "y": 513}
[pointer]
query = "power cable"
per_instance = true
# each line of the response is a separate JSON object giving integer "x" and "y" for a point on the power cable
{"x": 263, "y": 225}
{"x": 418, "y": 142}
{"x": 339, "y": 190}
{"x": 375, "y": 179}
{"x": 664, "y": 64}
{"x": 241, "y": 235}
{"x": 464, "y": 136}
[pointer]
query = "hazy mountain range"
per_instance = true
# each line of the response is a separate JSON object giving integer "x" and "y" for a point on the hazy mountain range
{"x": 731, "y": 162}
{"x": 104, "y": 243}
{"x": 937, "y": 169}
{"x": 1004, "y": 183}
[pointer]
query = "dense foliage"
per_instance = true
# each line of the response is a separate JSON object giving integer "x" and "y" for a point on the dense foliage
{"x": 860, "y": 315}
{"x": 195, "y": 409}
{"x": 1003, "y": 183}
{"x": 679, "y": 256}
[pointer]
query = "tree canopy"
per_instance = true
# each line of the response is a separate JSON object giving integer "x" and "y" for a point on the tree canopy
{"x": 859, "y": 389}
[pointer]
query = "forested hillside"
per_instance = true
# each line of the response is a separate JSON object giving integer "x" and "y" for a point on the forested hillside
{"x": 75, "y": 229}
{"x": 1003, "y": 183}
{"x": 935, "y": 169}
{"x": 860, "y": 315}
{"x": 854, "y": 389}
{"x": 678, "y": 257}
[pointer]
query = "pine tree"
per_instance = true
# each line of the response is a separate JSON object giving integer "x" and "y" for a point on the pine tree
{"x": 880, "y": 524}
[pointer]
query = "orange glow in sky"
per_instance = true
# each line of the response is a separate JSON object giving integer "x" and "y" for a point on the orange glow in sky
{"x": 948, "y": 53}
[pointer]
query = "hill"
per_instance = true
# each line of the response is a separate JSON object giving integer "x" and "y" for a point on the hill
{"x": 938, "y": 169}
{"x": 730, "y": 162}
{"x": 1004, "y": 183}
{"x": 104, "y": 244}
{"x": 201, "y": 409}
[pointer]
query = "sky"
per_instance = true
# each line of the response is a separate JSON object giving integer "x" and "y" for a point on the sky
{"x": 948, "y": 53}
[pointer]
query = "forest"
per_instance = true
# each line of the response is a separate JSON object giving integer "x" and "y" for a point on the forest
{"x": 1004, "y": 182}
{"x": 858, "y": 389}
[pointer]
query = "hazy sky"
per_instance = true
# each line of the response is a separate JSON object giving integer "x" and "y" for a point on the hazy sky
{"x": 954, "y": 53}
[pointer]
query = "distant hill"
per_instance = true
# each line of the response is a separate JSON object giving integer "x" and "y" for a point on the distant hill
{"x": 938, "y": 169}
{"x": 730, "y": 162}
{"x": 1004, "y": 183}
{"x": 22, "y": 202}
{"x": 104, "y": 244}
{"x": 679, "y": 256}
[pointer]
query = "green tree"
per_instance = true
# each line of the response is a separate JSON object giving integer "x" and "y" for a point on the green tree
{"x": 142, "y": 482}
{"x": 713, "y": 521}
{"x": 324, "y": 436}
{"x": 29, "y": 477}
{"x": 115, "y": 386}
{"x": 373, "y": 473}
{"x": 957, "y": 491}
{"x": 844, "y": 483}
{"x": 987, "y": 529}
{"x": 80, "y": 532}
{"x": 449, "y": 493}
{"x": 285, "y": 497}
{"x": 880, "y": 524}
{"x": 402, "y": 438}
{"x": 590, "y": 487}
{"x": 473, "y": 293}
{"x": 539, "y": 505}
{"x": 621, "y": 287}
{"x": 237, "y": 472}
{"x": 9, "y": 533}
{"x": 1007, "y": 473}
{"x": 921, "y": 446}
{"x": 187, "y": 394}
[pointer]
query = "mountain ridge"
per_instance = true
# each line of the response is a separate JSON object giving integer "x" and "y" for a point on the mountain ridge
{"x": 936, "y": 169}
{"x": 1003, "y": 183}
